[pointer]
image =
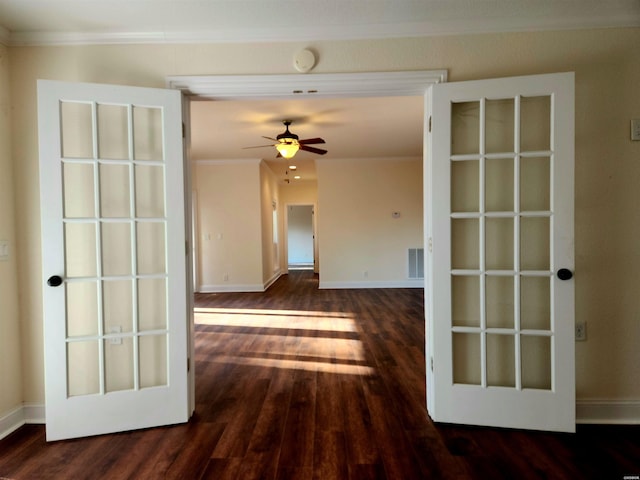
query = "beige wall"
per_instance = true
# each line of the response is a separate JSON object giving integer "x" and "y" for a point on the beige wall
{"x": 270, "y": 249}
{"x": 10, "y": 360}
{"x": 360, "y": 242}
{"x": 229, "y": 222}
{"x": 607, "y": 167}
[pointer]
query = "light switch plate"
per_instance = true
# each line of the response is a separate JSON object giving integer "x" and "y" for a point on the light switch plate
{"x": 635, "y": 129}
{"x": 4, "y": 250}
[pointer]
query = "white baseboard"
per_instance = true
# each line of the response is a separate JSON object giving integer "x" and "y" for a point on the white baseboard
{"x": 595, "y": 412}
{"x": 272, "y": 280}
{"x": 373, "y": 284}
{"x": 610, "y": 412}
{"x": 12, "y": 421}
{"x": 217, "y": 288}
{"x": 28, "y": 413}
{"x": 231, "y": 288}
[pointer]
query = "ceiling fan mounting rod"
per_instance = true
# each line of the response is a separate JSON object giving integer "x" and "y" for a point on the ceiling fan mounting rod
{"x": 287, "y": 135}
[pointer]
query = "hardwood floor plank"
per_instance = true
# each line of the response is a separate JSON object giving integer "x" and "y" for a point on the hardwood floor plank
{"x": 144, "y": 447}
{"x": 193, "y": 457}
{"x": 329, "y": 403}
{"x": 391, "y": 438}
{"x": 330, "y": 455}
{"x": 222, "y": 469}
{"x": 246, "y": 407}
{"x": 268, "y": 432}
{"x": 298, "y": 382}
{"x": 358, "y": 430}
{"x": 298, "y": 436}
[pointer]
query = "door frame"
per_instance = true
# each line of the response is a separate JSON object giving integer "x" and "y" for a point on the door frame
{"x": 314, "y": 229}
{"x": 366, "y": 84}
{"x": 314, "y": 85}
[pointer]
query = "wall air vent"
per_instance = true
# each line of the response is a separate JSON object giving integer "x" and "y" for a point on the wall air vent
{"x": 416, "y": 263}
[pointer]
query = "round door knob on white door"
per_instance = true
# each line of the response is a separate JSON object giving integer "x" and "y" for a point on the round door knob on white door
{"x": 54, "y": 281}
{"x": 565, "y": 274}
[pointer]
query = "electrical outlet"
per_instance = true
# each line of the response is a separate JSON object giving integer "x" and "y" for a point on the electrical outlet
{"x": 581, "y": 331}
{"x": 225, "y": 277}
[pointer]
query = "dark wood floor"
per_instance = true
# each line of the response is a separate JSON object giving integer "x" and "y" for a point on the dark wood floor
{"x": 301, "y": 383}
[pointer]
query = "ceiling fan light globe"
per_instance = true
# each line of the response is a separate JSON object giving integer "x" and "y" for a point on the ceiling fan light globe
{"x": 287, "y": 149}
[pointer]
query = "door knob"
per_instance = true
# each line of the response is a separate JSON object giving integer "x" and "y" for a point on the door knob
{"x": 564, "y": 274}
{"x": 54, "y": 281}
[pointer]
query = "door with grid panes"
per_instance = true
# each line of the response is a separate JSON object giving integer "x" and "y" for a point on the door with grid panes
{"x": 114, "y": 265}
{"x": 499, "y": 221}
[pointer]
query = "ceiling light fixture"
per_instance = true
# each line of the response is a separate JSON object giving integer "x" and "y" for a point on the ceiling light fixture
{"x": 287, "y": 147}
{"x": 287, "y": 144}
{"x": 292, "y": 167}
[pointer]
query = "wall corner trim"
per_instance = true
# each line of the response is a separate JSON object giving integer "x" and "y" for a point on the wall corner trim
{"x": 608, "y": 412}
{"x": 272, "y": 280}
{"x": 26, "y": 413}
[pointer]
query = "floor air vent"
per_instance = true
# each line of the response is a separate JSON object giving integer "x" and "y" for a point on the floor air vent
{"x": 416, "y": 262}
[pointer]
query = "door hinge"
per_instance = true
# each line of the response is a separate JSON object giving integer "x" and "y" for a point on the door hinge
{"x": 432, "y": 364}
{"x": 184, "y": 130}
{"x": 430, "y": 244}
{"x": 186, "y": 248}
{"x": 429, "y": 124}
{"x": 188, "y": 364}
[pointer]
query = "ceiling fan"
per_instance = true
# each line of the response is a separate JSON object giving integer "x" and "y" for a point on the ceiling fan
{"x": 288, "y": 143}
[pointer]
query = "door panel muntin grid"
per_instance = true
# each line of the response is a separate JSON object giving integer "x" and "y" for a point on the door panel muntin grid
{"x": 107, "y": 339}
{"x": 491, "y": 211}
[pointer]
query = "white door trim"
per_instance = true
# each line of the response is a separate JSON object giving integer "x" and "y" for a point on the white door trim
{"x": 285, "y": 235}
{"x": 316, "y": 85}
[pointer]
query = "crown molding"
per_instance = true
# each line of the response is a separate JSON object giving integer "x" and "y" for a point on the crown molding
{"x": 309, "y": 33}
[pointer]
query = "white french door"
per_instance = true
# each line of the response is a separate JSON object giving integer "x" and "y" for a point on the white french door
{"x": 499, "y": 230}
{"x": 113, "y": 254}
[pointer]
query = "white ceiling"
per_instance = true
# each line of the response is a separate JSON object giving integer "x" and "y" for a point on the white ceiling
{"x": 351, "y": 128}
{"x": 380, "y": 127}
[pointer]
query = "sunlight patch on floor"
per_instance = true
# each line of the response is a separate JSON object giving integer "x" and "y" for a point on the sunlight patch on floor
{"x": 296, "y": 319}
{"x": 340, "y": 349}
{"x": 310, "y": 340}
{"x": 315, "y": 366}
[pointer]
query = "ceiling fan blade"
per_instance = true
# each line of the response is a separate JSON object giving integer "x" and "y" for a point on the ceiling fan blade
{"x": 257, "y": 146}
{"x": 270, "y": 138}
{"x": 318, "y": 151}
{"x": 310, "y": 141}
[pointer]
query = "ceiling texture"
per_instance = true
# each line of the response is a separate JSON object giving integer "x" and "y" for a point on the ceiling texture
{"x": 352, "y": 128}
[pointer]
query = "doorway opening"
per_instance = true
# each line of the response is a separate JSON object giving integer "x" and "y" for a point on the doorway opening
{"x": 300, "y": 231}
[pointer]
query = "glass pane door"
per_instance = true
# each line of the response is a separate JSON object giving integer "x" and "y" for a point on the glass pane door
{"x": 113, "y": 167}
{"x": 499, "y": 217}
{"x": 113, "y": 233}
{"x": 501, "y": 163}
